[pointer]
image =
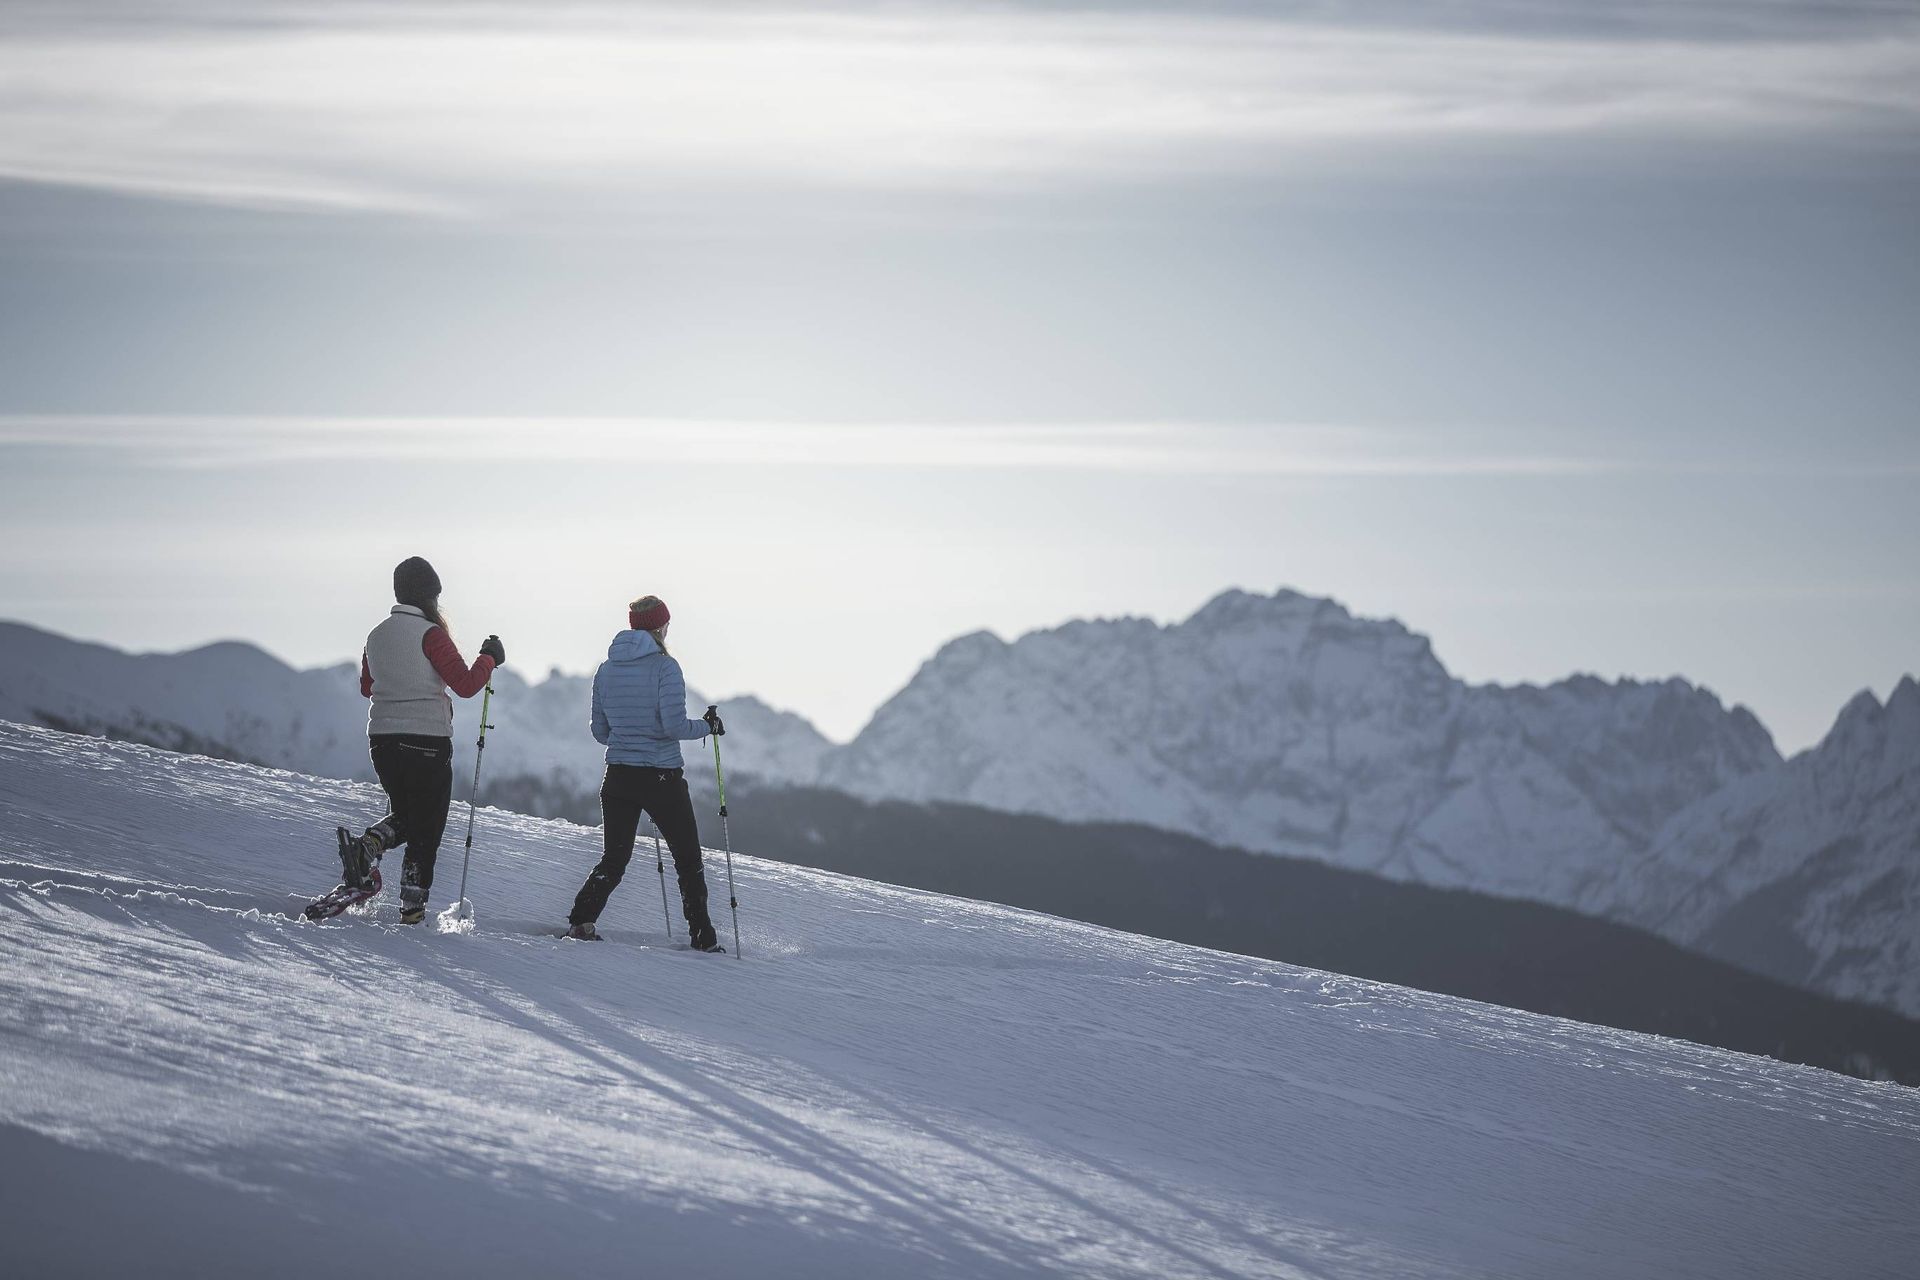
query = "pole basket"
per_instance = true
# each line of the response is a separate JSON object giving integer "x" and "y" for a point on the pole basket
{"x": 457, "y": 918}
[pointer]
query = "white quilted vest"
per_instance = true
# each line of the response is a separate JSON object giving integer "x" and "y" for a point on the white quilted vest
{"x": 408, "y": 694}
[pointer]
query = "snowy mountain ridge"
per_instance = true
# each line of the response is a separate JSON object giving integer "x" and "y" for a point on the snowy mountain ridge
{"x": 1286, "y": 724}
{"x": 890, "y": 1082}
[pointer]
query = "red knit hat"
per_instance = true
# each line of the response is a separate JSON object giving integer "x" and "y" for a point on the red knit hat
{"x": 649, "y": 619}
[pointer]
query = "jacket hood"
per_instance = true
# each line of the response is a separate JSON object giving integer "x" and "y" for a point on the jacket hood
{"x": 631, "y": 646}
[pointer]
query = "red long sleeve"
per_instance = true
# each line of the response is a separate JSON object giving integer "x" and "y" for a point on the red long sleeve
{"x": 366, "y": 678}
{"x": 451, "y": 667}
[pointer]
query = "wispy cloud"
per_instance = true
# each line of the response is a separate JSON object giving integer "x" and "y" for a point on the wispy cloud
{"x": 206, "y": 442}
{"x": 1155, "y": 448}
{"x": 484, "y": 109}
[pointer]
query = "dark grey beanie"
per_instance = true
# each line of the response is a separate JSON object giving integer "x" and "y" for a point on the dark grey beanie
{"x": 415, "y": 583}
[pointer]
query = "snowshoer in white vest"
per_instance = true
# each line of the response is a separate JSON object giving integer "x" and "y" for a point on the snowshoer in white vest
{"x": 640, "y": 716}
{"x": 408, "y": 666}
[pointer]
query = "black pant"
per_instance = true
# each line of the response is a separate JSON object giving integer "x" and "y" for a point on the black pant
{"x": 661, "y": 794}
{"x": 417, "y": 772}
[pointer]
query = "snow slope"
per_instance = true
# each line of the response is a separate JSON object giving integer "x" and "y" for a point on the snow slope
{"x": 891, "y": 1083}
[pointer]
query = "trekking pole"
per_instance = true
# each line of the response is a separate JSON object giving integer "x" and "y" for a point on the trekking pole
{"x": 727, "y": 835}
{"x": 464, "y": 909}
{"x": 661, "y": 867}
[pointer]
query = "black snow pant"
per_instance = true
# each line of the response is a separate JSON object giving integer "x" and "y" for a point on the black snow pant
{"x": 629, "y": 791}
{"x": 417, "y": 772}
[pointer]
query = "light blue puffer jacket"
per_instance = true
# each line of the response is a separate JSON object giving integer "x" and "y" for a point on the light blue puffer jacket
{"x": 640, "y": 704}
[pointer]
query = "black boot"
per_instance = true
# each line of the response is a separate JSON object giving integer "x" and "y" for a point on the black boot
{"x": 413, "y": 898}
{"x": 358, "y": 856}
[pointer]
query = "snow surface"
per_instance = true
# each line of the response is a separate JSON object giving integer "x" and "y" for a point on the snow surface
{"x": 890, "y": 1083}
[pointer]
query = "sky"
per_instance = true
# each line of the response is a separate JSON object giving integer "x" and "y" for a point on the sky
{"x": 1577, "y": 338}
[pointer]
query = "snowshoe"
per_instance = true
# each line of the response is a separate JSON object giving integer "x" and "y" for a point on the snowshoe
{"x": 584, "y": 933}
{"x": 704, "y": 939}
{"x": 413, "y": 913}
{"x": 329, "y": 905}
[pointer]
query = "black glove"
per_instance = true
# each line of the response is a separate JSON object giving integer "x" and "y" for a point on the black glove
{"x": 713, "y": 722}
{"x": 492, "y": 647}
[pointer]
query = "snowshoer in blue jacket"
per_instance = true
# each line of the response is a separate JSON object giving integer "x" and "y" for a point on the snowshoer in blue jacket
{"x": 640, "y": 716}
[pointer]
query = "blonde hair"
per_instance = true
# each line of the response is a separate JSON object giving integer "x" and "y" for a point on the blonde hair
{"x": 643, "y": 604}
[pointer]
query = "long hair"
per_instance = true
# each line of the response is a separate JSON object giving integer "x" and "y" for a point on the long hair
{"x": 643, "y": 604}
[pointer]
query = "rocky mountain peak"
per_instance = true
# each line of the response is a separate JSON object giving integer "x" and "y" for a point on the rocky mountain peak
{"x": 967, "y": 651}
{"x": 1903, "y": 704}
{"x": 1857, "y": 724}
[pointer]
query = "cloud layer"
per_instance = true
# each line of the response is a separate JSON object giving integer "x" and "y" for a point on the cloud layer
{"x": 1146, "y": 448}
{"x": 489, "y": 110}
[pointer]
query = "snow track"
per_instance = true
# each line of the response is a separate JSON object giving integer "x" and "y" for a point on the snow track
{"x": 193, "y": 1081}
